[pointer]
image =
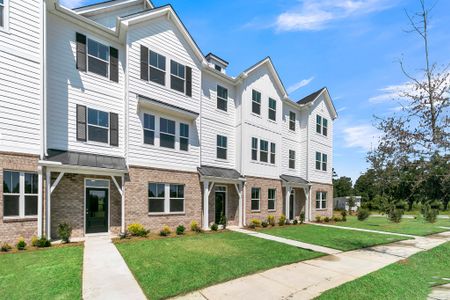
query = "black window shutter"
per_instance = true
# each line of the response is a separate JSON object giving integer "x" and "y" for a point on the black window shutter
{"x": 114, "y": 64}
{"x": 81, "y": 123}
{"x": 189, "y": 81}
{"x": 81, "y": 52}
{"x": 114, "y": 129}
{"x": 144, "y": 63}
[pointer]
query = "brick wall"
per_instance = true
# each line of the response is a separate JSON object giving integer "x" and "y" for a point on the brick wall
{"x": 136, "y": 195}
{"x": 318, "y": 187}
{"x": 11, "y": 230}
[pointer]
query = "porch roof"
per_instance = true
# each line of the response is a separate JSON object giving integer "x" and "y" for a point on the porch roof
{"x": 294, "y": 180}
{"x": 208, "y": 172}
{"x": 89, "y": 160}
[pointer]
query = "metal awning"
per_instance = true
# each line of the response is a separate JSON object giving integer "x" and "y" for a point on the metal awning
{"x": 217, "y": 174}
{"x": 294, "y": 181}
{"x": 164, "y": 107}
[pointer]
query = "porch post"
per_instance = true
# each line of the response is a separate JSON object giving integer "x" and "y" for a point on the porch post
{"x": 244, "y": 204}
{"x": 238, "y": 187}
{"x": 123, "y": 205}
{"x": 307, "y": 204}
{"x": 205, "y": 204}
{"x": 40, "y": 204}
{"x": 310, "y": 206}
{"x": 48, "y": 206}
{"x": 288, "y": 195}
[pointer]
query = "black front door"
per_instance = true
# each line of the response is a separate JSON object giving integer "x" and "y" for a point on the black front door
{"x": 96, "y": 210}
{"x": 291, "y": 206}
{"x": 220, "y": 206}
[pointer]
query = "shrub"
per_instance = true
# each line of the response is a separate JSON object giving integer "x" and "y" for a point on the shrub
{"x": 165, "y": 231}
{"x": 180, "y": 229}
{"x": 264, "y": 224}
{"x": 5, "y": 247}
{"x": 214, "y": 227}
{"x": 42, "y": 242}
{"x": 34, "y": 241}
{"x": 344, "y": 216}
{"x": 295, "y": 222}
{"x": 223, "y": 221}
{"x": 327, "y": 219}
{"x": 282, "y": 220}
{"x": 351, "y": 203}
{"x": 271, "y": 220}
{"x": 302, "y": 217}
{"x": 195, "y": 227}
{"x": 256, "y": 222}
{"x": 64, "y": 232}
{"x": 395, "y": 210}
{"x": 21, "y": 244}
{"x": 363, "y": 214}
{"x": 336, "y": 219}
{"x": 430, "y": 211}
{"x": 318, "y": 219}
{"x": 137, "y": 229}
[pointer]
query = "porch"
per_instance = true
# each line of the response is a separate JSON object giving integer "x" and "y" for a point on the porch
{"x": 296, "y": 197}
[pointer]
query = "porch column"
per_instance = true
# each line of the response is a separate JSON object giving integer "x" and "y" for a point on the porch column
{"x": 40, "y": 204}
{"x": 205, "y": 204}
{"x": 288, "y": 195}
{"x": 307, "y": 203}
{"x": 310, "y": 206}
{"x": 238, "y": 187}
{"x": 244, "y": 204}
{"x": 123, "y": 205}
{"x": 48, "y": 203}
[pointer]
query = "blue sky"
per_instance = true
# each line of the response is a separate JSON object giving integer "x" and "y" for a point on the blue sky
{"x": 350, "y": 46}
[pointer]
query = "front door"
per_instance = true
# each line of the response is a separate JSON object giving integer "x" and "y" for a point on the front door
{"x": 220, "y": 206}
{"x": 291, "y": 205}
{"x": 96, "y": 210}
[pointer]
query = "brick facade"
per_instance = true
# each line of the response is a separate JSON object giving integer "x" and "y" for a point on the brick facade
{"x": 136, "y": 193}
{"x": 12, "y": 229}
{"x": 319, "y": 187}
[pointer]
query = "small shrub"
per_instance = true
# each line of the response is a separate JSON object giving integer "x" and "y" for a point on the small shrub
{"x": 344, "y": 216}
{"x": 337, "y": 219}
{"x": 264, "y": 224}
{"x": 137, "y": 229}
{"x": 302, "y": 217}
{"x": 165, "y": 231}
{"x": 327, "y": 219}
{"x": 282, "y": 220}
{"x": 214, "y": 227}
{"x": 5, "y": 247}
{"x": 256, "y": 222}
{"x": 64, "y": 232}
{"x": 295, "y": 222}
{"x": 430, "y": 211}
{"x": 363, "y": 214}
{"x": 318, "y": 219}
{"x": 21, "y": 244}
{"x": 271, "y": 220}
{"x": 395, "y": 210}
{"x": 34, "y": 241}
{"x": 43, "y": 242}
{"x": 195, "y": 227}
{"x": 180, "y": 229}
{"x": 223, "y": 221}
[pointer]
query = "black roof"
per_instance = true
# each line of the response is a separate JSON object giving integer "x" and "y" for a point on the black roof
{"x": 219, "y": 172}
{"x": 86, "y": 160}
{"x": 311, "y": 97}
{"x": 216, "y": 57}
{"x": 168, "y": 105}
{"x": 293, "y": 179}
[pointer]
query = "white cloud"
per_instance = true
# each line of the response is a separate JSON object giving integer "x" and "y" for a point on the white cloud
{"x": 364, "y": 137}
{"x": 72, "y": 3}
{"x": 391, "y": 93}
{"x": 299, "y": 85}
{"x": 342, "y": 109}
{"x": 318, "y": 14}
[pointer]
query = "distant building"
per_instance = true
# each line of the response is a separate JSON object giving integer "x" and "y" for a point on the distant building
{"x": 342, "y": 203}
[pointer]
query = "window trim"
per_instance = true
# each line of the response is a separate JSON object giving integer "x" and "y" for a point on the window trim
{"x": 167, "y": 133}
{"x": 184, "y": 137}
{"x": 150, "y": 66}
{"x": 255, "y": 199}
{"x": 181, "y": 78}
{"x": 5, "y": 26}
{"x": 292, "y": 121}
{"x": 323, "y": 161}
{"x": 274, "y": 199}
{"x": 261, "y": 142}
{"x": 292, "y": 159}
{"x": 98, "y": 126}
{"x": 258, "y": 103}
{"x": 220, "y": 98}
{"x": 221, "y": 147}
{"x": 272, "y": 109}
{"x": 95, "y": 57}
{"x": 273, "y": 153}
{"x": 321, "y": 200}
{"x": 166, "y": 199}
{"x": 22, "y": 194}
{"x": 255, "y": 149}
{"x": 321, "y": 129}
{"x": 147, "y": 129}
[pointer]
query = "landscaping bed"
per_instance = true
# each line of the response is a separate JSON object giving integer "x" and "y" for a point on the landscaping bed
{"x": 166, "y": 267}
{"x": 410, "y": 278}
{"x": 51, "y": 273}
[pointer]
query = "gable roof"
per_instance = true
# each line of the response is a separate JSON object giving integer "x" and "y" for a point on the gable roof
{"x": 311, "y": 98}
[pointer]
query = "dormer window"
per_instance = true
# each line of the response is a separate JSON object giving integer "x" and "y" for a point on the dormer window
{"x": 218, "y": 68}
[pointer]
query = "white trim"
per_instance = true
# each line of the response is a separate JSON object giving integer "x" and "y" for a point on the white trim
{"x": 167, "y": 199}
{"x": 109, "y": 202}
{"x": 226, "y": 200}
{"x": 22, "y": 195}
{"x": 206, "y": 204}
{"x": 259, "y": 200}
{"x": 275, "y": 200}
{"x": 55, "y": 184}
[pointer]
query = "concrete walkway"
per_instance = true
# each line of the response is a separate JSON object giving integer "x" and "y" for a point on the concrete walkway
{"x": 286, "y": 241}
{"x": 308, "y": 279}
{"x": 362, "y": 229}
{"x": 105, "y": 273}
{"x": 441, "y": 292}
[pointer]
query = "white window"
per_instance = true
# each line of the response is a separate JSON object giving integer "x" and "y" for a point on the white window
{"x": 20, "y": 194}
{"x": 98, "y": 58}
{"x": 178, "y": 76}
{"x": 321, "y": 161}
{"x": 256, "y": 102}
{"x": 321, "y": 125}
{"x": 292, "y": 118}
{"x": 256, "y": 198}
{"x": 149, "y": 129}
{"x": 254, "y": 149}
{"x": 271, "y": 199}
{"x": 165, "y": 198}
{"x": 157, "y": 68}
{"x": 321, "y": 200}
{"x": 166, "y": 133}
{"x": 222, "y": 98}
{"x": 98, "y": 126}
{"x": 272, "y": 153}
{"x": 263, "y": 151}
{"x": 221, "y": 147}
{"x": 272, "y": 109}
{"x": 184, "y": 137}
{"x": 291, "y": 159}
{"x": 2, "y": 13}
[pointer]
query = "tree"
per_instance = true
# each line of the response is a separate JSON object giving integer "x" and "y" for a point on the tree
{"x": 418, "y": 137}
{"x": 342, "y": 187}
{"x": 366, "y": 187}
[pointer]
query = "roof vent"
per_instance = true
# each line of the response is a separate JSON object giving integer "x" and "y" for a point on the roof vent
{"x": 216, "y": 62}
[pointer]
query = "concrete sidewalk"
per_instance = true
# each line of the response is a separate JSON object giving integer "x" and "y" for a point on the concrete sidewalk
{"x": 361, "y": 229}
{"x": 308, "y": 279}
{"x": 105, "y": 273}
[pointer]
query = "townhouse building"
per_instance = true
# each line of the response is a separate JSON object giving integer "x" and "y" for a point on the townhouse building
{"x": 110, "y": 114}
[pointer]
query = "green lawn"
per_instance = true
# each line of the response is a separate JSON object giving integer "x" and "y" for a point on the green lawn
{"x": 44, "y": 274}
{"x": 331, "y": 237}
{"x": 406, "y": 226}
{"x": 171, "y": 266}
{"x": 408, "y": 279}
